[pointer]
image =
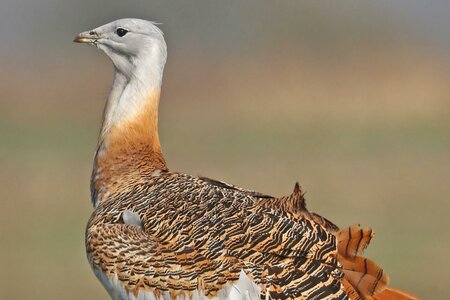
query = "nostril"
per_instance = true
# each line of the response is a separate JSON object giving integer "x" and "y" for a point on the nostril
{"x": 92, "y": 32}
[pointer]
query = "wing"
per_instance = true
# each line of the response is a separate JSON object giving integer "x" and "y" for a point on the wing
{"x": 200, "y": 239}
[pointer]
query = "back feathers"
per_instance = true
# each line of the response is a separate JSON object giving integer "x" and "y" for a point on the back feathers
{"x": 364, "y": 279}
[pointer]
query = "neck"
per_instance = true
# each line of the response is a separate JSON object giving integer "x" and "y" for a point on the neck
{"x": 128, "y": 145}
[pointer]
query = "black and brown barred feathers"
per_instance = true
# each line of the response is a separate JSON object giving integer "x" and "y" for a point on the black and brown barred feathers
{"x": 156, "y": 234}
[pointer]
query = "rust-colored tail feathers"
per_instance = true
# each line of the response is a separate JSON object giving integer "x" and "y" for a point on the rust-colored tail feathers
{"x": 364, "y": 279}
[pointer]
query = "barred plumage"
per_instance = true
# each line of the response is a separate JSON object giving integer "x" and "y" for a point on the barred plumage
{"x": 204, "y": 235}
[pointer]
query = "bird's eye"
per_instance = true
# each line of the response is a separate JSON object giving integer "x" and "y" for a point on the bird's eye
{"x": 121, "y": 32}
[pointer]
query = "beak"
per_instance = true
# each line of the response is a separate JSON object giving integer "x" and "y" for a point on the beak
{"x": 86, "y": 37}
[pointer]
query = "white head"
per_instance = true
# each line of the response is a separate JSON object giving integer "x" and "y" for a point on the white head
{"x": 138, "y": 52}
{"x": 131, "y": 44}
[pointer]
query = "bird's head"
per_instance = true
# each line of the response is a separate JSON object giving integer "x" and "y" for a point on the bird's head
{"x": 128, "y": 43}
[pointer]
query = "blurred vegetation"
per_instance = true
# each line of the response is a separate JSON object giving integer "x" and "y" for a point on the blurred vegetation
{"x": 349, "y": 98}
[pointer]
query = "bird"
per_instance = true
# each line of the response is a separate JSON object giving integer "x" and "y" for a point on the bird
{"x": 159, "y": 234}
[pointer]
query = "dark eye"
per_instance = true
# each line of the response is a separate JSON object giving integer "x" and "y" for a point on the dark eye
{"x": 121, "y": 32}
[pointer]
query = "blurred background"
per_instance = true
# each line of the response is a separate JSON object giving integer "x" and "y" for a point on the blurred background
{"x": 351, "y": 98}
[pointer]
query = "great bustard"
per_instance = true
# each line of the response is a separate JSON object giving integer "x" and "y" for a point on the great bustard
{"x": 157, "y": 234}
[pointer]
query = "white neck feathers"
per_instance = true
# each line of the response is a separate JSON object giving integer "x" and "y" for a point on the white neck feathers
{"x": 129, "y": 139}
{"x": 135, "y": 84}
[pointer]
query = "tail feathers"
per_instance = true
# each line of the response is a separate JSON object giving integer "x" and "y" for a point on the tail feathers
{"x": 364, "y": 275}
{"x": 393, "y": 294}
{"x": 363, "y": 279}
{"x": 353, "y": 240}
{"x": 350, "y": 290}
